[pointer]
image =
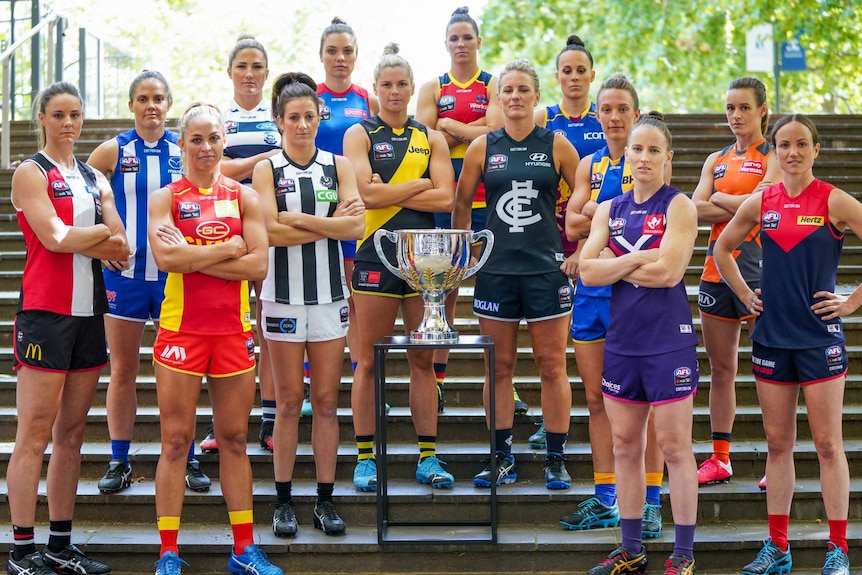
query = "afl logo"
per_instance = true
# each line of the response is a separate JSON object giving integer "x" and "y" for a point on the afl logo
{"x": 230, "y": 127}
{"x": 682, "y": 372}
{"x": 188, "y": 210}
{"x": 538, "y": 157}
{"x": 130, "y": 161}
{"x": 383, "y": 148}
{"x": 833, "y": 351}
{"x": 705, "y": 300}
{"x": 719, "y": 171}
{"x": 175, "y": 163}
{"x": 770, "y": 220}
{"x": 616, "y": 226}
{"x": 212, "y": 230}
{"x": 284, "y": 183}
{"x": 560, "y": 132}
{"x": 61, "y": 189}
{"x": 498, "y": 159}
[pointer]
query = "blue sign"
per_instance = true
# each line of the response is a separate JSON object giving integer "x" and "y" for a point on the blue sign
{"x": 792, "y": 57}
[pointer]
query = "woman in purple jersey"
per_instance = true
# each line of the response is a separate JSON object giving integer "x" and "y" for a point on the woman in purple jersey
{"x": 642, "y": 242}
{"x": 798, "y": 340}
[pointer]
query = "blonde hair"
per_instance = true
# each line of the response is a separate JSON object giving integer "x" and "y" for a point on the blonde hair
{"x": 391, "y": 59}
{"x": 194, "y": 111}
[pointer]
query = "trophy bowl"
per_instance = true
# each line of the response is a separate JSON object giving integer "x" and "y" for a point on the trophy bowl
{"x": 433, "y": 262}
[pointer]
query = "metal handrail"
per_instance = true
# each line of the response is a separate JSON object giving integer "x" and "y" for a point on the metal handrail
{"x": 6, "y": 58}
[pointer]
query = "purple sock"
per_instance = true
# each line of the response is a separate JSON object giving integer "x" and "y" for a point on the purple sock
{"x": 684, "y": 540}
{"x": 631, "y": 529}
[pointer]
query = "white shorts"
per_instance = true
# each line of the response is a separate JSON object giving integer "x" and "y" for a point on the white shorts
{"x": 302, "y": 323}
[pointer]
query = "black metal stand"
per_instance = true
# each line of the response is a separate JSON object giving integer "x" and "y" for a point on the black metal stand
{"x": 383, "y": 521}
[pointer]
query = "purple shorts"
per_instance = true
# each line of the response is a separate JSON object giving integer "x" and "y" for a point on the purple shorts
{"x": 653, "y": 379}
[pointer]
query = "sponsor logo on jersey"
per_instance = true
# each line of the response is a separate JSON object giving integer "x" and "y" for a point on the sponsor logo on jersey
{"x": 482, "y": 99}
{"x": 369, "y": 279}
{"x": 173, "y": 354}
{"x": 111, "y": 295}
{"x": 33, "y": 351}
{"x": 189, "y": 210}
{"x": 280, "y": 324}
{"x": 770, "y": 220}
{"x": 485, "y": 305}
{"x": 226, "y": 208}
{"x": 682, "y": 376}
{"x": 325, "y": 112}
{"x": 175, "y": 164}
{"x": 445, "y": 104}
{"x": 130, "y": 165}
{"x": 653, "y": 225}
{"x": 610, "y": 387}
{"x": 594, "y": 135}
{"x": 685, "y": 328}
{"x": 834, "y": 355}
{"x": 231, "y": 127}
{"x": 61, "y": 189}
{"x": 419, "y": 150}
{"x": 810, "y": 220}
{"x": 617, "y": 226}
{"x": 266, "y": 127}
{"x": 498, "y": 162}
{"x": 515, "y": 206}
{"x": 719, "y": 171}
{"x": 383, "y": 151}
{"x": 705, "y": 300}
{"x": 355, "y": 113}
{"x": 596, "y": 181}
{"x": 538, "y": 157}
{"x": 326, "y": 196}
{"x": 285, "y": 186}
{"x": 212, "y": 230}
{"x": 751, "y": 167}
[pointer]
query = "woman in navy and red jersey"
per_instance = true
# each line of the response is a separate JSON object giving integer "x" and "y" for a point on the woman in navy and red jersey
{"x": 342, "y": 104}
{"x": 463, "y": 105}
{"x": 207, "y": 232}
{"x": 67, "y": 216}
{"x": 729, "y": 177}
{"x": 798, "y": 340}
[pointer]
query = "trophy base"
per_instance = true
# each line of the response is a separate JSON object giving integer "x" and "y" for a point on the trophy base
{"x": 433, "y": 337}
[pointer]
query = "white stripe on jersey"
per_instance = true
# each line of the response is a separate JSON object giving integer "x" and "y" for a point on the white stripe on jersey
{"x": 82, "y": 266}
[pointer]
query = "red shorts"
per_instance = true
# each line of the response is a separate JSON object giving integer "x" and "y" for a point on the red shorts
{"x": 210, "y": 355}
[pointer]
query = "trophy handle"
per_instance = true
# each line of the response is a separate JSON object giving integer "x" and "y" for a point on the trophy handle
{"x": 377, "y": 235}
{"x": 486, "y": 250}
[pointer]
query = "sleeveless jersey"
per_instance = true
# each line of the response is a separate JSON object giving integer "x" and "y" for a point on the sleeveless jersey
{"x": 397, "y": 156}
{"x": 738, "y": 173}
{"x": 64, "y": 283}
{"x": 608, "y": 179}
{"x": 521, "y": 184}
{"x": 197, "y": 303}
{"x": 585, "y": 133}
{"x": 310, "y": 273}
{"x": 801, "y": 248}
{"x": 645, "y": 321}
{"x": 465, "y": 103}
{"x": 249, "y": 132}
{"x": 337, "y": 113}
{"x": 142, "y": 169}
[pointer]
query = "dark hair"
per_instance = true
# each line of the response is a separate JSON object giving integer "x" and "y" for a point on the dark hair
{"x": 619, "y": 81}
{"x": 802, "y": 119}
{"x": 246, "y": 41}
{"x": 290, "y": 86}
{"x": 338, "y": 26}
{"x": 391, "y": 59}
{"x": 575, "y": 44}
{"x": 40, "y": 103}
{"x": 656, "y": 120}
{"x": 150, "y": 75}
{"x": 756, "y": 86}
{"x": 519, "y": 65}
{"x": 462, "y": 14}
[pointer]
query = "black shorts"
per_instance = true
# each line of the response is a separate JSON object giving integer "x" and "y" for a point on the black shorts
{"x": 52, "y": 342}
{"x": 516, "y": 297}
{"x": 798, "y": 366}
{"x": 716, "y": 299}
{"x": 373, "y": 278}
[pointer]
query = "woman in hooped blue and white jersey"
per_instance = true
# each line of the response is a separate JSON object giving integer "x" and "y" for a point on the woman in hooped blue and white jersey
{"x": 137, "y": 162}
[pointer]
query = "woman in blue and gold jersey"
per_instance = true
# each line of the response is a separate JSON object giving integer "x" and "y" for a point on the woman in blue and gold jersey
{"x": 404, "y": 176}
{"x": 207, "y": 232}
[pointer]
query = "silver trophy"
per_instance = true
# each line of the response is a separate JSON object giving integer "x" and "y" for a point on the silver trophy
{"x": 433, "y": 262}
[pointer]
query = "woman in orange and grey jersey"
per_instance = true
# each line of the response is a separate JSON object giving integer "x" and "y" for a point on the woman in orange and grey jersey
{"x": 728, "y": 178}
{"x": 463, "y": 105}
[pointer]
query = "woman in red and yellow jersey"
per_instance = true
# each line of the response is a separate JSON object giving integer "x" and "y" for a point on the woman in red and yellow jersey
{"x": 728, "y": 178}
{"x": 207, "y": 232}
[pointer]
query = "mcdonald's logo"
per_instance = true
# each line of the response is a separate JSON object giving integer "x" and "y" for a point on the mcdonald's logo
{"x": 34, "y": 351}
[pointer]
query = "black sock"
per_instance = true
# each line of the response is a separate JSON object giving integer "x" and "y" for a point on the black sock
{"x": 324, "y": 492}
{"x": 25, "y": 542}
{"x": 282, "y": 492}
{"x": 60, "y": 535}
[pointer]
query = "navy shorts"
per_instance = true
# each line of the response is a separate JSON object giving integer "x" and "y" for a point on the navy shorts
{"x": 53, "y": 342}
{"x": 348, "y": 249}
{"x": 132, "y": 299}
{"x": 716, "y": 299}
{"x": 590, "y": 318}
{"x": 798, "y": 366}
{"x": 653, "y": 379}
{"x": 516, "y": 297}
{"x": 373, "y": 278}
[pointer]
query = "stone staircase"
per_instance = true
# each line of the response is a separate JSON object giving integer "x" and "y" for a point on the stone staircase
{"x": 120, "y": 528}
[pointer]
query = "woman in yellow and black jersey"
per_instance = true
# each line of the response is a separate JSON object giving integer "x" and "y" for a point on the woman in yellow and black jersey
{"x": 404, "y": 176}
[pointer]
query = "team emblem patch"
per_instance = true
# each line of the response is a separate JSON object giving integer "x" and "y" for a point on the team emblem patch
{"x": 130, "y": 165}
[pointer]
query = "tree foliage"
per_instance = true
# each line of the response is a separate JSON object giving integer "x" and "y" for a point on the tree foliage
{"x": 681, "y": 55}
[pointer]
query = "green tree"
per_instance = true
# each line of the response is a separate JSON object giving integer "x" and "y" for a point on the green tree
{"x": 681, "y": 55}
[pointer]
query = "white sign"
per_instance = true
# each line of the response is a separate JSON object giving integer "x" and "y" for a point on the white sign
{"x": 759, "y": 49}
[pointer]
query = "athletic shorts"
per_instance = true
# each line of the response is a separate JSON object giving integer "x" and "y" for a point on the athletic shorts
{"x": 302, "y": 323}
{"x": 590, "y": 318}
{"x": 348, "y": 249}
{"x": 798, "y": 366}
{"x": 132, "y": 299}
{"x": 515, "y": 297}
{"x": 478, "y": 219}
{"x": 653, "y": 379}
{"x": 210, "y": 355}
{"x": 53, "y": 342}
{"x": 372, "y": 278}
{"x": 716, "y": 299}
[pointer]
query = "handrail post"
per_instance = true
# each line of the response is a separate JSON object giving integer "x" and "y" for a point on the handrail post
{"x": 5, "y": 148}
